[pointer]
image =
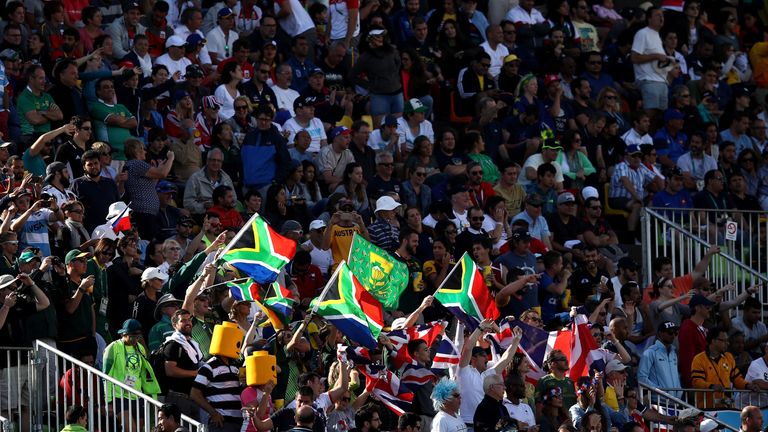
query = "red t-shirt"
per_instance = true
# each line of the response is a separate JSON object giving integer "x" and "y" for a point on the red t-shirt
{"x": 310, "y": 283}
{"x": 230, "y": 218}
{"x": 695, "y": 341}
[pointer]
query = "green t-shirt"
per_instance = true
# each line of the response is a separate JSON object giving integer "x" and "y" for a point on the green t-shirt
{"x": 29, "y": 102}
{"x": 490, "y": 170}
{"x": 33, "y": 164}
{"x": 99, "y": 297}
{"x": 114, "y": 135}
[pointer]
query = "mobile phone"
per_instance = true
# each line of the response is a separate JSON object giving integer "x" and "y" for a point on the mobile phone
{"x": 37, "y": 179}
{"x": 603, "y": 280}
{"x": 347, "y": 217}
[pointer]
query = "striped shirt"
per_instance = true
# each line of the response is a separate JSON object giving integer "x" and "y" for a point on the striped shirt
{"x": 639, "y": 177}
{"x": 220, "y": 385}
{"x": 384, "y": 235}
{"x": 201, "y": 334}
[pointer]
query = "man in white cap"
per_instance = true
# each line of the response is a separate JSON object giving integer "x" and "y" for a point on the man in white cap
{"x": 152, "y": 280}
{"x": 322, "y": 258}
{"x": 105, "y": 230}
{"x": 385, "y": 230}
{"x": 174, "y": 59}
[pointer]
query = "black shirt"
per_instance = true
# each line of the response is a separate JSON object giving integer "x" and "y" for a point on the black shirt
{"x": 14, "y": 332}
{"x": 284, "y": 420}
{"x": 122, "y": 285}
{"x": 173, "y": 351}
{"x": 377, "y": 187}
{"x": 561, "y": 231}
{"x": 488, "y": 414}
{"x": 96, "y": 198}
{"x": 583, "y": 285}
{"x": 70, "y": 154}
{"x": 144, "y": 312}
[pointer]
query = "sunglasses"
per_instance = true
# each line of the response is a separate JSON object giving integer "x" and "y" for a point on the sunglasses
{"x": 421, "y": 174}
{"x": 241, "y": 107}
{"x": 477, "y": 218}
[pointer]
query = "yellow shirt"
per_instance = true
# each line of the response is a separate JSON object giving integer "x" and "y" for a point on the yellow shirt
{"x": 610, "y": 398}
{"x": 341, "y": 242}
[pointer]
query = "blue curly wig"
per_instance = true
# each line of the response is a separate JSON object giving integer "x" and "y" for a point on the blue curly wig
{"x": 443, "y": 392}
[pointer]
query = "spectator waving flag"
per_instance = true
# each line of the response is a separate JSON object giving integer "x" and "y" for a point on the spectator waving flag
{"x": 428, "y": 332}
{"x": 244, "y": 290}
{"x": 280, "y": 300}
{"x": 415, "y": 376}
{"x": 356, "y": 355}
{"x": 385, "y": 386}
{"x": 381, "y": 274}
{"x": 447, "y": 356}
{"x": 258, "y": 251}
{"x": 350, "y": 308}
{"x": 121, "y": 222}
{"x": 464, "y": 293}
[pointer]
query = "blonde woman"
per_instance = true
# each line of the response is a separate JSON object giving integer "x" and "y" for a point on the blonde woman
{"x": 609, "y": 102}
{"x": 242, "y": 122}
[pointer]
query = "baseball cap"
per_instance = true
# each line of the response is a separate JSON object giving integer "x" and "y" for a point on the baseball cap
{"x": 741, "y": 91}
{"x": 317, "y": 71}
{"x": 667, "y": 325}
{"x": 6, "y": 144}
{"x": 194, "y": 71}
{"x": 9, "y": 54}
{"x": 709, "y": 94}
{"x": 73, "y": 255}
{"x": 224, "y": 12}
{"x": 153, "y": 273}
{"x": 164, "y": 186}
{"x": 708, "y": 425}
{"x": 415, "y": 105}
{"x": 180, "y": 94}
{"x": 52, "y": 169}
{"x": 633, "y": 149}
{"x": 130, "y": 5}
{"x": 130, "y": 326}
{"x": 566, "y": 197}
{"x": 627, "y": 263}
{"x": 386, "y": 203}
{"x": 521, "y": 235}
{"x": 194, "y": 39}
{"x": 186, "y": 221}
{"x": 699, "y": 300}
{"x": 269, "y": 43}
{"x": 28, "y": 256}
{"x": 211, "y": 102}
{"x": 390, "y": 120}
{"x": 377, "y": 32}
{"x": 614, "y": 366}
{"x": 675, "y": 171}
{"x": 551, "y": 144}
{"x": 338, "y": 130}
{"x": 549, "y": 79}
{"x": 175, "y": 41}
{"x": 316, "y": 224}
{"x": 673, "y": 114}
{"x": 511, "y": 58}
{"x": 304, "y": 101}
{"x": 589, "y": 192}
{"x": 290, "y": 225}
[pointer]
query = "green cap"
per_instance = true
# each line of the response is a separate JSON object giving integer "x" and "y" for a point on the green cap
{"x": 73, "y": 255}
{"x": 28, "y": 256}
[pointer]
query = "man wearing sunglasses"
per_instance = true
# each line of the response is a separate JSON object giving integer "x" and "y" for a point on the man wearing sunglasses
{"x": 9, "y": 245}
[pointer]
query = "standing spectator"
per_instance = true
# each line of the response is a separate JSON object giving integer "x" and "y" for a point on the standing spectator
{"x": 344, "y": 23}
{"x": 265, "y": 156}
{"x": 71, "y": 152}
{"x": 113, "y": 121}
{"x": 221, "y": 39}
{"x": 628, "y": 186}
{"x": 224, "y": 201}
{"x": 198, "y": 193}
{"x": 123, "y": 278}
{"x": 300, "y": 63}
{"x": 692, "y": 331}
{"x": 140, "y": 186}
{"x": 166, "y": 307}
{"x": 227, "y": 92}
{"x": 152, "y": 280}
{"x": 557, "y": 364}
{"x": 157, "y": 28}
{"x": 658, "y": 364}
{"x": 716, "y": 369}
{"x": 647, "y": 53}
{"x": 495, "y": 49}
{"x": 295, "y": 21}
{"x": 124, "y": 29}
{"x": 183, "y": 357}
{"x": 446, "y": 399}
{"x": 174, "y": 60}
{"x": 380, "y": 65}
{"x": 78, "y": 317}
{"x": 749, "y": 323}
{"x": 38, "y": 107}
{"x": 31, "y": 221}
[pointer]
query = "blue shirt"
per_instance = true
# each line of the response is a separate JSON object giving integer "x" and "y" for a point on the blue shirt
{"x": 539, "y": 229}
{"x": 658, "y": 368}
{"x": 670, "y": 146}
{"x": 35, "y": 232}
{"x": 301, "y": 71}
{"x": 743, "y": 142}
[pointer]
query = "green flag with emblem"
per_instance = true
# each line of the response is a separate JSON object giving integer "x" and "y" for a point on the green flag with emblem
{"x": 378, "y": 272}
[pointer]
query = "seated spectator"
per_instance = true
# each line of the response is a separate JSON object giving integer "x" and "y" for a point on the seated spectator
{"x": 628, "y": 186}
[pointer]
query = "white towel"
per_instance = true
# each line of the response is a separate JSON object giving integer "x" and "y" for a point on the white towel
{"x": 189, "y": 345}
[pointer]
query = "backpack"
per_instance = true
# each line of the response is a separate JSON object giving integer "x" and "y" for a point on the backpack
{"x": 156, "y": 359}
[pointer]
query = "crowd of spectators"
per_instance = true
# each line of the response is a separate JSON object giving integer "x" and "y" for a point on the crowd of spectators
{"x": 497, "y": 128}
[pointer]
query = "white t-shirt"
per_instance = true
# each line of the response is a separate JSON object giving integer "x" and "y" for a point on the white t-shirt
{"x": 174, "y": 66}
{"x": 184, "y": 31}
{"x": 61, "y": 197}
{"x": 444, "y": 422}
{"x": 471, "y": 384}
{"x": 285, "y": 98}
{"x": 219, "y": 43}
{"x": 321, "y": 258}
{"x": 518, "y": 14}
{"x": 648, "y": 41}
{"x": 315, "y": 129}
{"x": 497, "y": 57}
{"x": 632, "y": 137}
{"x": 338, "y": 10}
{"x": 407, "y": 137}
{"x": 758, "y": 370}
{"x": 227, "y": 102}
{"x": 520, "y": 412}
{"x": 376, "y": 141}
{"x": 322, "y": 403}
{"x": 534, "y": 161}
{"x": 298, "y": 21}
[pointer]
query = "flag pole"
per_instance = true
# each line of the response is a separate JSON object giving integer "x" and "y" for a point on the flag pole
{"x": 239, "y": 234}
{"x": 228, "y": 282}
{"x": 327, "y": 287}
{"x": 457, "y": 265}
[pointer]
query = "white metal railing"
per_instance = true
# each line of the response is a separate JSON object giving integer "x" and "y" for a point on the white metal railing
{"x": 667, "y": 404}
{"x": 57, "y": 381}
{"x": 88, "y": 388}
{"x": 684, "y": 235}
{"x": 15, "y": 381}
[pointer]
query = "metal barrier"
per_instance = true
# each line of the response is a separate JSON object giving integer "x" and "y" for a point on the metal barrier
{"x": 684, "y": 235}
{"x": 715, "y": 399}
{"x": 663, "y": 402}
{"x": 75, "y": 382}
{"x": 52, "y": 381}
{"x": 15, "y": 388}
